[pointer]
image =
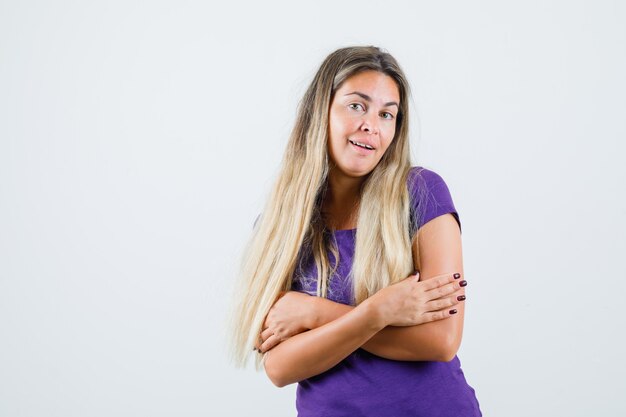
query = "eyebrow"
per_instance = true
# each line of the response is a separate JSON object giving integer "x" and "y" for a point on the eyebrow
{"x": 368, "y": 98}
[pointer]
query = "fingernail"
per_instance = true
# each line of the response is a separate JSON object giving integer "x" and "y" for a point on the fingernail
{"x": 457, "y": 276}
{"x": 463, "y": 283}
{"x": 453, "y": 311}
{"x": 460, "y": 297}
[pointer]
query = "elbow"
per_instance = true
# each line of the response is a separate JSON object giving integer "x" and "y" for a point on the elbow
{"x": 278, "y": 382}
{"x": 448, "y": 348}
{"x": 446, "y": 356}
{"x": 275, "y": 373}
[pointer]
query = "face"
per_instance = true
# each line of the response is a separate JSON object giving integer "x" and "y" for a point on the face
{"x": 362, "y": 122}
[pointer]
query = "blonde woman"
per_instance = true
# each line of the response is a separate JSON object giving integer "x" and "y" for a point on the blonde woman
{"x": 329, "y": 296}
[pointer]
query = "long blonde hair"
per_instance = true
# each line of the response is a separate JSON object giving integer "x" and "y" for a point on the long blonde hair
{"x": 292, "y": 220}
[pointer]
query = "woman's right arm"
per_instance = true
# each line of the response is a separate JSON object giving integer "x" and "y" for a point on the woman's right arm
{"x": 315, "y": 351}
{"x": 440, "y": 250}
{"x": 310, "y": 353}
{"x": 424, "y": 342}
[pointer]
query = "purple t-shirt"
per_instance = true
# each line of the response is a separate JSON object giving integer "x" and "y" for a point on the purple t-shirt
{"x": 364, "y": 384}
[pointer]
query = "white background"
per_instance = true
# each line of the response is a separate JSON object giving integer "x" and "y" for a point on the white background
{"x": 138, "y": 141}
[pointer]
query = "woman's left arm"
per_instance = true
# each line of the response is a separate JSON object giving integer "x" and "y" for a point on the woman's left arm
{"x": 436, "y": 251}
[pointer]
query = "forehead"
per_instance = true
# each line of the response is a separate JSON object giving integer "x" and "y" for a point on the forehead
{"x": 377, "y": 85}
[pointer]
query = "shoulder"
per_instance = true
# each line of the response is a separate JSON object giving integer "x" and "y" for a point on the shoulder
{"x": 420, "y": 177}
{"x": 429, "y": 196}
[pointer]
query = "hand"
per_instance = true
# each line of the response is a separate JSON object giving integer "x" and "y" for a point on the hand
{"x": 289, "y": 315}
{"x": 411, "y": 302}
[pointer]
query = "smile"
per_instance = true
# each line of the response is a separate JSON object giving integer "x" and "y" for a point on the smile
{"x": 360, "y": 145}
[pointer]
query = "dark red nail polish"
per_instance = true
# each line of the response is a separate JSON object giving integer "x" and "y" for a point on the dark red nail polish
{"x": 463, "y": 283}
{"x": 457, "y": 276}
{"x": 453, "y": 311}
{"x": 460, "y": 297}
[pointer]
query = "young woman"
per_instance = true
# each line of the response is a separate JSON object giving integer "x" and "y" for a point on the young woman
{"x": 352, "y": 282}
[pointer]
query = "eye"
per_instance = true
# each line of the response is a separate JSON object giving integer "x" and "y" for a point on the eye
{"x": 355, "y": 106}
{"x": 387, "y": 115}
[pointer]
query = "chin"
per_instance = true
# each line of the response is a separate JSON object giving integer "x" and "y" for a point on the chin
{"x": 358, "y": 172}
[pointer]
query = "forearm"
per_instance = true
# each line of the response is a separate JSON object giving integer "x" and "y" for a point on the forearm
{"x": 434, "y": 341}
{"x": 315, "y": 351}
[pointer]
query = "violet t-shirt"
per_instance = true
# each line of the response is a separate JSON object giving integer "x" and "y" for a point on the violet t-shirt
{"x": 364, "y": 384}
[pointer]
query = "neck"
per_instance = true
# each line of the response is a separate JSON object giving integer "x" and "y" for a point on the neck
{"x": 343, "y": 189}
{"x": 342, "y": 200}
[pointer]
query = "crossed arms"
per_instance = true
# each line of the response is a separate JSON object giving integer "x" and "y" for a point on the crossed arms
{"x": 323, "y": 332}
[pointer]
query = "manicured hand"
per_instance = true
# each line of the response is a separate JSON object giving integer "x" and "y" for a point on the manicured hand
{"x": 289, "y": 315}
{"x": 411, "y": 301}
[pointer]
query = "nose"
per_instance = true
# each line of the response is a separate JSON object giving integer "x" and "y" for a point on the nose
{"x": 370, "y": 124}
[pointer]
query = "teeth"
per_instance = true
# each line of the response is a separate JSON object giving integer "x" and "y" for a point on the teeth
{"x": 363, "y": 145}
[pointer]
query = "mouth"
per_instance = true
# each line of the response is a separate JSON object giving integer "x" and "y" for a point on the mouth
{"x": 361, "y": 145}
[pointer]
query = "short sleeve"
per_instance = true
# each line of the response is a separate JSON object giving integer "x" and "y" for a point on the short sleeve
{"x": 429, "y": 198}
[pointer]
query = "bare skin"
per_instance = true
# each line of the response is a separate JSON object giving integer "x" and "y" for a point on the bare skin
{"x": 312, "y": 352}
{"x": 295, "y": 312}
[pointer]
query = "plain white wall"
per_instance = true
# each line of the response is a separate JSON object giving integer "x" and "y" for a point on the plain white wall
{"x": 138, "y": 140}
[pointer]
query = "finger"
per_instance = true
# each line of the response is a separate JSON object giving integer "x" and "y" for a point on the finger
{"x": 438, "y": 281}
{"x": 459, "y": 293}
{"x": 265, "y": 334}
{"x": 258, "y": 343}
{"x": 417, "y": 274}
{"x": 439, "y": 315}
{"x": 442, "y": 303}
{"x": 448, "y": 288}
{"x": 272, "y": 341}
{"x": 444, "y": 291}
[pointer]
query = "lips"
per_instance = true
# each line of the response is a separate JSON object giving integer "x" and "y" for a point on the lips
{"x": 362, "y": 144}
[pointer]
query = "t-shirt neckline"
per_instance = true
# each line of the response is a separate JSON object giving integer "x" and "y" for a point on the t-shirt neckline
{"x": 342, "y": 232}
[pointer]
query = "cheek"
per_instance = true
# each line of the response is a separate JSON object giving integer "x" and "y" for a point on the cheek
{"x": 388, "y": 137}
{"x": 337, "y": 133}
{"x": 334, "y": 141}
